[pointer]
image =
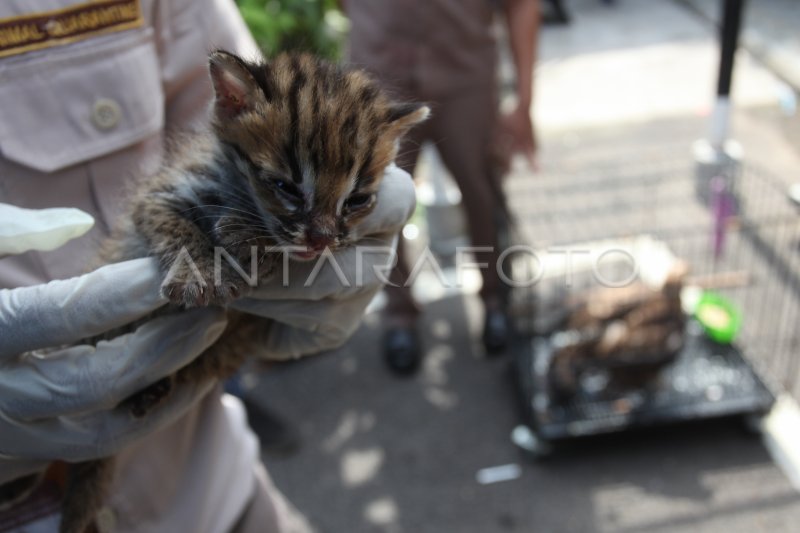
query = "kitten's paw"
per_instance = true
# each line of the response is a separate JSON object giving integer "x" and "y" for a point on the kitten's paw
{"x": 194, "y": 294}
{"x": 207, "y": 287}
{"x": 187, "y": 293}
{"x": 226, "y": 292}
{"x": 146, "y": 400}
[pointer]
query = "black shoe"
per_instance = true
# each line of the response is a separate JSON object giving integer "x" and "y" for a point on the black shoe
{"x": 556, "y": 14}
{"x": 496, "y": 332}
{"x": 402, "y": 350}
{"x": 276, "y": 434}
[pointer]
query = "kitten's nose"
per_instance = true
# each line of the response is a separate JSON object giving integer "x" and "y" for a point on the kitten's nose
{"x": 318, "y": 240}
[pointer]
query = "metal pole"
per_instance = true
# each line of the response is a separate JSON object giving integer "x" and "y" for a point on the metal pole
{"x": 718, "y": 155}
{"x": 729, "y": 37}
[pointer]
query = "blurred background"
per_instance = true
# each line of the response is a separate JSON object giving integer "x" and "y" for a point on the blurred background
{"x": 623, "y": 92}
{"x": 316, "y": 26}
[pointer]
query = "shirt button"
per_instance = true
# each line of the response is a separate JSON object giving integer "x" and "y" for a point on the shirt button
{"x": 106, "y": 114}
{"x": 106, "y": 520}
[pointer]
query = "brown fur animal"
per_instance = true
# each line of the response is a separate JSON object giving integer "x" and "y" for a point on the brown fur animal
{"x": 631, "y": 333}
{"x": 294, "y": 156}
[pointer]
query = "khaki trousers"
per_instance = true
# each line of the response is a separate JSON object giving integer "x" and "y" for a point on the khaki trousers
{"x": 461, "y": 128}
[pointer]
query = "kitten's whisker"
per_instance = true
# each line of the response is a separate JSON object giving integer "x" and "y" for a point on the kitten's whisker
{"x": 255, "y": 225}
{"x": 249, "y": 213}
{"x": 250, "y": 226}
{"x": 371, "y": 240}
{"x": 256, "y": 231}
{"x": 407, "y": 152}
{"x": 205, "y": 217}
{"x": 239, "y": 243}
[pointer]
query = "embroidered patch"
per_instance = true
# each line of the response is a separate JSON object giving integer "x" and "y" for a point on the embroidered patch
{"x": 35, "y": 31}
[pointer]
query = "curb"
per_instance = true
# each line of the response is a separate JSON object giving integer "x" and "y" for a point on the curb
{"x": 779, "y": 59}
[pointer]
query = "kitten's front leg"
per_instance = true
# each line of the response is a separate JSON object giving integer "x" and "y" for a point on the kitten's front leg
{"x": 244, "y": 258}
{"x": 195, "y": 283}
{"x": 186, "y": 254}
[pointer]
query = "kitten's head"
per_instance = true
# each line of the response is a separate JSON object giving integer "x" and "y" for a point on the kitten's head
{"x": 311, "y": 138}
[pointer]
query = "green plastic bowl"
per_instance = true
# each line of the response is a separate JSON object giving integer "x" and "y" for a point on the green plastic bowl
{"x": 720, "y": 319}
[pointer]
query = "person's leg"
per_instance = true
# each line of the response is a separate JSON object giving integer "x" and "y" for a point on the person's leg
{"x": 275, "y": 432}
{"x": 463, "y": 128}
{"x": 269, "y": 511}
{"x": 401, "y": 310}
{"x": 401, "y": 344}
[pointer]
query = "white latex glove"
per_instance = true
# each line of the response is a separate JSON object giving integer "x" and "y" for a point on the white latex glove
{"x": 317, "y": 313}
{"x": 63, "y": 403}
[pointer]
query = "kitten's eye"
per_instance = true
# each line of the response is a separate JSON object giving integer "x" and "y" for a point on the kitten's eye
{"x": 359, "y": 201}
{"x": 287, "y": 188}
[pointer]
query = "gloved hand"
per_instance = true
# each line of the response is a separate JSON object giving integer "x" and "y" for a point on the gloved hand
{"x": 317, "y": 305}
{"x": 63, "y": 403}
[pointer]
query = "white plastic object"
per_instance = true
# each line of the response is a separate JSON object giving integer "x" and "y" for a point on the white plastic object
{"x": 22, "y": 229}
{"x": 496, "y": 474}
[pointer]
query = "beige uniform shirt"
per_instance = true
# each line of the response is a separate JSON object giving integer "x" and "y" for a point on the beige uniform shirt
{"x": 81, "y": 115}
{"x": 87, "y": 90}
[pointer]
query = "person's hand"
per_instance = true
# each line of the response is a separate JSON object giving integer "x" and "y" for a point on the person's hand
{"x": 515, "y": 135}
{"x": 64, "y": 402}
{"x": 316, "y": 308}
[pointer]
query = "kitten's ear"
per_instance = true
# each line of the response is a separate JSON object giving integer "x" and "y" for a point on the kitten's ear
{"x": 404, "y": 116}
{"x": 236, "y": 90}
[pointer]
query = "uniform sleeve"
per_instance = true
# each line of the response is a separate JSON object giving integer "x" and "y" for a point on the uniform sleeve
{"x": 187, "y": 30}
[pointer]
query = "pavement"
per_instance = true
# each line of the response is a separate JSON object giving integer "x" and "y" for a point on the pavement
{"x": 769, "y": 33}
{"x": 626, "y": 83}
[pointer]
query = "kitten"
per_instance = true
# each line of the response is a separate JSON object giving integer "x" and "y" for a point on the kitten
{"x": 294, "y": 156}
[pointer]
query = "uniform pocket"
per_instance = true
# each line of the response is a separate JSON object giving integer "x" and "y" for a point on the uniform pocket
{"x": 73, "y": 103}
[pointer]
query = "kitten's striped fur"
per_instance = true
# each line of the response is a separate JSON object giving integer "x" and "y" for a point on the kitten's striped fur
{"x": 294, "y": 155}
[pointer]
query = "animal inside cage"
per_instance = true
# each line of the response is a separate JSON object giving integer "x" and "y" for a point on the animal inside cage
{"x": 622, "y": 261}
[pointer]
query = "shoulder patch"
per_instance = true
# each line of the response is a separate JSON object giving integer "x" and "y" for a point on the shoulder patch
{"x": 35, "y": 31}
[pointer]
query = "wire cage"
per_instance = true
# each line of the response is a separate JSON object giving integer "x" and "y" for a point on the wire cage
{"x": 738, "y": 233}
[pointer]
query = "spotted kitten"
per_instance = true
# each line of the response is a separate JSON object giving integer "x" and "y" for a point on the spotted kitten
{"x": 293, "y": 157}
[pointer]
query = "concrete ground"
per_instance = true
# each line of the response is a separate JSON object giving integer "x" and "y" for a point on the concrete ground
{"x": 622, "y": 83}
